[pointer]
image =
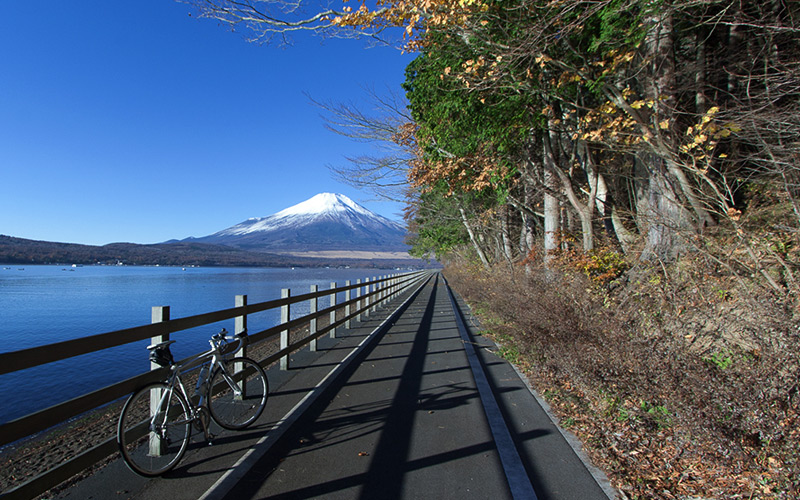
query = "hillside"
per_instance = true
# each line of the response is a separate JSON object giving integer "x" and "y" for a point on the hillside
{"x": 22, "y": 251}
{"x": 679, "y": 385}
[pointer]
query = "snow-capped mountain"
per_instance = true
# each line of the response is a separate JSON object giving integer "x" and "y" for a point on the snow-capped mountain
{"x": 326, "y": 222}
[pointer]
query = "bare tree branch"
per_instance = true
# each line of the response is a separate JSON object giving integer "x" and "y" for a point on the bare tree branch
{"x": 384, "y": 175}
{"x": 266, "y": 19}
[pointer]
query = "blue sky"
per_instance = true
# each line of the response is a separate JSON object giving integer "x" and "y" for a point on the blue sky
{"x": 133, "y": 121}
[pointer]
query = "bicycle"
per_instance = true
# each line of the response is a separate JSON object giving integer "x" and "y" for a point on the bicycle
{"x": 154, "y": 427}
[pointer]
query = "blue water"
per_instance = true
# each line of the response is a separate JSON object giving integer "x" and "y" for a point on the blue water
{"x": 44, "y": 304}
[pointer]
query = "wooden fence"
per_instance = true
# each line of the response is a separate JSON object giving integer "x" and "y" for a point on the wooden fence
{"x": 368, "y": 295}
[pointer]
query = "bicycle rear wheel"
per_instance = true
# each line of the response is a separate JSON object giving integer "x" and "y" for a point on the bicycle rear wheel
{"x": 154, "y": 429}
{"x": 238, "y": 393}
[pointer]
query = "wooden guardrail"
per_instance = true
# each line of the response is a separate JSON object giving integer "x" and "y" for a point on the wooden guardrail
{"x": 374, "y": 293}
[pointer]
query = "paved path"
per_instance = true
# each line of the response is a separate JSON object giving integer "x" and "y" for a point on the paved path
{"x": 405, "y": 416}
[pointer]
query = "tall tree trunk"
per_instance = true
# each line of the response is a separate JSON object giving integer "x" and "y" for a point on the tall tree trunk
{"x": 508, "y": 252}
{"x": 700, "y": 71}
{"x": 473, "y": 239}
{"x": 661, "y": 216}
{"x": 664, "y": 215}
{"x": 604, "y": 202}
{"x": 584, "y": 211}
{"x": 552, "y": 218}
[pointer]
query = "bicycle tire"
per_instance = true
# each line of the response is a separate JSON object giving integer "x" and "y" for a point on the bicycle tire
{"x": 229, "y": 409}
{"x": 151, "y": 447}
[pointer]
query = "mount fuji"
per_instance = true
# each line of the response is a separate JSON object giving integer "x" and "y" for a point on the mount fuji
{"x": 325, "y": 224}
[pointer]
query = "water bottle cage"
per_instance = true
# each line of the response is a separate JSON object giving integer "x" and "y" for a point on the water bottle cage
{"x": 202, "y": 381}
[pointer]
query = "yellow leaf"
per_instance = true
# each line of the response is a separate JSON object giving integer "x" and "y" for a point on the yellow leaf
{"x": 637, "y": 104}
{"x": 664, "y": 125}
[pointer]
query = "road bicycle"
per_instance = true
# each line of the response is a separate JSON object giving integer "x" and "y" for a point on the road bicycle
{"x": 155, "y": 425}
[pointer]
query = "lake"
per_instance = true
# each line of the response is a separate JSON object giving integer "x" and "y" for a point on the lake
{"x": 44, "y": 304}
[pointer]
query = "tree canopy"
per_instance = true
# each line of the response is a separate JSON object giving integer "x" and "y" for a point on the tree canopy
{"x": 643, "y": 126}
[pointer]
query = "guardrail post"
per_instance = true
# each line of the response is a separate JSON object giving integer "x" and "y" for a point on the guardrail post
{"x": 159, "y": 314}
{"x": 239, "y": 326}
{"x": 333, "y": 313}
{"x": 358, "y": 302}
{"x": 376, "y": 287}
{"x": 347, "y": 304}
{"x": 285, "y": 311}
{"x": 312, "y": 323}
{"x": 367, "y": 298}
{"x": 240, "y": 323}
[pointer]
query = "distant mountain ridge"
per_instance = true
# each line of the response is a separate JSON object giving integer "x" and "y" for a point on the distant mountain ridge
{"x": 325, "y": 230}
{"x": 20, "y": 251}
{"x": 326, "y": 222}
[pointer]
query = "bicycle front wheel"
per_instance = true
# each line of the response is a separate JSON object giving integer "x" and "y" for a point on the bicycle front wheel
{"x": 237, "y": 393}
{"x": 154, "y": 429}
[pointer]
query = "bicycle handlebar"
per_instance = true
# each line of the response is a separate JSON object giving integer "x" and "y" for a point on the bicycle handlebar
{"x": 223, "y": 336}
{"x": 218, "y": 342}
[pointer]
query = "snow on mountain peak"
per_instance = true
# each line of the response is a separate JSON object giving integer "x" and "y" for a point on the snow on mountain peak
{"x": 324, "y": 205}
{"x": 324, "y": 202}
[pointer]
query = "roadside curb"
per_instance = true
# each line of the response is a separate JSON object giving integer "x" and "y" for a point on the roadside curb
{"x": 473, "y": 326}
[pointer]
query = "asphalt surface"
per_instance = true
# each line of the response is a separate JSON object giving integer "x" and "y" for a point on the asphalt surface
{"x": 391, "y": 412}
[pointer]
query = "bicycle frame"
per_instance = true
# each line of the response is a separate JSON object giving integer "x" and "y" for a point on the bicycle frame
{"x": 198, "y": 410}
{"x": 157, "y": 419}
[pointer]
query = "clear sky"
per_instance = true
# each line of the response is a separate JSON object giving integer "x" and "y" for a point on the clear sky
{"x": 134, "y": 121}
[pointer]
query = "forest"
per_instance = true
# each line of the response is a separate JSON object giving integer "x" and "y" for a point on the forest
{"x": 613, "y": 186}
